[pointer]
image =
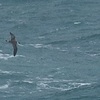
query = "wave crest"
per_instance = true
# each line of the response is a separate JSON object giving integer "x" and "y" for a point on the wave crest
{"x": 5, "y": 56}
{"x": 62, "y": 85}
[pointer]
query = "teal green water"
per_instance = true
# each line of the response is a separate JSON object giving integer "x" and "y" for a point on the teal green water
{"x": 58, "y": 56}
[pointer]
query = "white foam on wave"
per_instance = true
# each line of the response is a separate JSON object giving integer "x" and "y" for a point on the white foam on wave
{"x": 4, "y": 72}
{"x": 63, "y": 50}
{"x": 5, "y": 86}
{"x": 5, "y": 56}
{"x": 41, "y": 37}
{"x": 76, "y": 23}
{"x": 61, "y": 85}
{"x": 58, "y": 29}
{"x": 24, "y": 81}
{"x": 19, "y": 56}
{"x": 9, "y": 72}
{"x": 49, "y": 46}
{"x": 46, "y": 46}
{"x": 93, "y": 54}
{"x": 28, "y": 81}
{"x": 40, "y": 46}
{"x": 78, "y": 84}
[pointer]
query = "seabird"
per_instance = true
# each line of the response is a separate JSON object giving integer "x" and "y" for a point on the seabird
{"x": 14, "y": 43}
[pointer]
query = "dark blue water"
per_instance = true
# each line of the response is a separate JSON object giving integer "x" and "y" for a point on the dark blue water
{"x": 58, "y": 56}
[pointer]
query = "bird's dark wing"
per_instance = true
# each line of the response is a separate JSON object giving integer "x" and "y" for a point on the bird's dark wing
{"x": 12, "y": 36}
{"x": 15, "y": 49}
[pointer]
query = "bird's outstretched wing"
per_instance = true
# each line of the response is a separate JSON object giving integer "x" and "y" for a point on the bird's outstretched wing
{"x": 14, "y": 43}
{"x": 12, "y": 36}
{"x": 15, "y": 49}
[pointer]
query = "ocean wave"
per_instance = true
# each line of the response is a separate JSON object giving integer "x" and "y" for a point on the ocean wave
{"x": 77, "y": 23}
{"x": 58, "y": 42}
{"x": 19, "y": 56}
{"x": 49, "y": 46}
{"x": 58, "y": 29}
{"x": 13, "y": 75}
{"x": 5, "y": 72}
{"x": 41, "y": 46}
{"x": 5, "y": 86}
{"x": 89, "y": 37}
{"x": 8, "y": 56}
{"x": 23, "y": 82}
{"x": 5, "y": 56}
{"x": 53, "y": 31}
{"x": 91, "y": 53}
{"x": 28, "y": 81}
{"x": 37, "y": 45}
{"x": 44, "y": 46}
{"x": 62, "y": 85}
{"x": 9, "y": 72}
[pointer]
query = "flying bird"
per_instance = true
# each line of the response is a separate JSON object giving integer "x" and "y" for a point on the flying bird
{"x": 14, "y": 43}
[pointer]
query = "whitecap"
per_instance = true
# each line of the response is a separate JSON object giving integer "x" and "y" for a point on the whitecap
{"x": 76, "y": 23}
{"x": 5, "y": 56}
{"x": 61, "y": 88}
{"x": 93, "y": 55}
{"x": 42, "y": 85}
{"x": 62, "y": 85}
{"x": 40, "y": 46}
{"x": 4, "y": 86}
{"x": 48, "y": 46}
{"x": 9, "y": 72}
{"x": 63, "y": 50}
{"x": 4, "y": 72}
{"x": 19, "y": 56}
{"x": 58, "y": 29}
{"x": 78, "y": 84}
{"x": 28, "y": 81}
{"x": 41, "y": 37}
{"x": 36, "y": 45}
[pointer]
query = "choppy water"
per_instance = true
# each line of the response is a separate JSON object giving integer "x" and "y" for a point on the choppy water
{"x": 59, "y": 54}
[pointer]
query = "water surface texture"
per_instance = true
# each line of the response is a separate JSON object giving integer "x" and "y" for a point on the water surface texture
{"x": 59, "y": 52}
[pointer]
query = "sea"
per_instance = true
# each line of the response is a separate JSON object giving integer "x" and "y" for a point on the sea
{"x": 58, "y": 55}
